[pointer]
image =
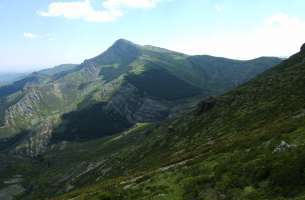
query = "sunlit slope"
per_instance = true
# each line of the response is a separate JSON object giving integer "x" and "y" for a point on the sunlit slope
{"x": 246, "y": 144}
{"x": 125, "y": 85}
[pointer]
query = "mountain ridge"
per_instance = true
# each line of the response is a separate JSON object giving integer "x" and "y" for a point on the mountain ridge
{"x": 245, "y": 144}
{"x": 122, "y": 80}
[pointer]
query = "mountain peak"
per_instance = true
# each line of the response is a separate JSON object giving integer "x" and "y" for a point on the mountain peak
{"x": 122, "y": 46}
{"x": 121, "y": 52}
{"x": 123, "y": 43}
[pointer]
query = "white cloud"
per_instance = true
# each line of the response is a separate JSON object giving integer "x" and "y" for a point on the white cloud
{"x": 278, "y": 35}
{"x": 130, "y": 3}
{"x": 111, "y": 9}
{"x": 31, "y": 36}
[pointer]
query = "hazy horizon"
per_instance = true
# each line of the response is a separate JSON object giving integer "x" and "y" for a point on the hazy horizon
{"x": 54, "y": 32}
{"x": 30, "y": 69}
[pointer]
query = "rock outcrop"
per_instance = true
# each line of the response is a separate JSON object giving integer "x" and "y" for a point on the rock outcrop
{"x": 137, "y": 107}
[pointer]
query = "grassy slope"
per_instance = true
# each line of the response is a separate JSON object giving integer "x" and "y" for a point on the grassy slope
{"x": 232, "y": 151}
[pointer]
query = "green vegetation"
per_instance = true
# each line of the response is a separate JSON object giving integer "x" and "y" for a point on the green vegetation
{"x": 250, "y": 145}
{"x": 126, "y": 72}
{"x": 235, "y": 146}
{"x": 90, "y": 123}
{"x": 161, "y": 84}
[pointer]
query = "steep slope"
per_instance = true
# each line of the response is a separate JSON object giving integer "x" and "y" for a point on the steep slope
{"x": 246, "y": 144}
{"x": 125, "y": 85}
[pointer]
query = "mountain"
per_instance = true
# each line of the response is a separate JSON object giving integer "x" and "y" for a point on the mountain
{"x": 58, "y": 70}
{"x": 125, "y": 85}
{"x": 245, "y": 144}
{"x": 7, "y": 78}
{"x": 226, "y": 147}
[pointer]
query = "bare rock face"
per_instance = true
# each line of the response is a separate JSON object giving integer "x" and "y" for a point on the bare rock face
{"x": 137, "y": 107}
{"x": 91, "y": 69}
{"x": 25, "y": 115}
{"x": 25, "y": 108}
{"x": 151, "y": 110}
{"x": 37, "y": 142}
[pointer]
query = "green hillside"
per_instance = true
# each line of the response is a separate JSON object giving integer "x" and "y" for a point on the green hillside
{"x": 245, "y": 144}
{"x": 133, "y": 83}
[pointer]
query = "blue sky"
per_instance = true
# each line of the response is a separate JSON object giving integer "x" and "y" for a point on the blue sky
{"x": 43, "y": 33}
